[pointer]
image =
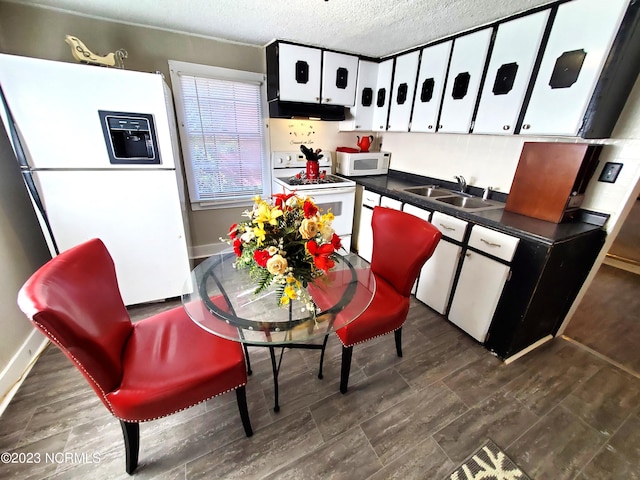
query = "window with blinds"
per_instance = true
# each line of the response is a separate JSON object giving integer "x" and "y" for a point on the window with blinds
{"x": 222, "y": 117}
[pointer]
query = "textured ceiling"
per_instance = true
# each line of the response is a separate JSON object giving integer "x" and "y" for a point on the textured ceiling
{"x": 368, "y": 27}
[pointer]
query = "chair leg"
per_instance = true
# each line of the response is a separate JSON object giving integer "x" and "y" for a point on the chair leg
{"x": 324, "y": 346}
{"x": 131, "y": 433}
{"x": 398, "y": 335}
{"x": 241, "y": 397}
{"x": 346, "y": 367}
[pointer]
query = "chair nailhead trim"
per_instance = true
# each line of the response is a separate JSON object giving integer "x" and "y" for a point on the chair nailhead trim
{"x": 106, "y": 400}
{"x": 371, "y": 338}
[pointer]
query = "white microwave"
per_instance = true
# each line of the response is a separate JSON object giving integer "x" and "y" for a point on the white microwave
{"x": 359, "y": 164}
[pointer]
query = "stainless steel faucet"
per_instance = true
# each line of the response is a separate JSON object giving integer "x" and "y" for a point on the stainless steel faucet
{"x": 462, "y": 183}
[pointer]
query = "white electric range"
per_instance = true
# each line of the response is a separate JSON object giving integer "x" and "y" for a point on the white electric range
{"x": 328, "y": 191}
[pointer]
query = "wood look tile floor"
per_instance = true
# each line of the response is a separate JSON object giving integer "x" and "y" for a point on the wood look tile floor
{"x": 560, "y": 412}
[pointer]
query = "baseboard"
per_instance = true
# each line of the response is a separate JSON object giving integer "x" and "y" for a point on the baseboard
{"x": 19, "y": 366}
{"x": 531, "y": 347}
{"x": 616, "y": 262}
{"x": 204, "y": 251}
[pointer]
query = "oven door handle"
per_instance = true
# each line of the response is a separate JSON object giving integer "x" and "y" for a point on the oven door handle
{"x": 328, "y": 191}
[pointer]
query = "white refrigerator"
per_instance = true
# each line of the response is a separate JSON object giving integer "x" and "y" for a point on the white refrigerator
{"x": 100, "y": 148}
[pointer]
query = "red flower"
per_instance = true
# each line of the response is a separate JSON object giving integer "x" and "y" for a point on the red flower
{"x": 237, "y": 247}
{"x": 309, "y": 209}
{"x": 233, "y": 231}
{"x": 336, "y": 242}
{"x": 321, "y": 255}
{"x": 281, "y": 199}
{"x": 261, "y": 257}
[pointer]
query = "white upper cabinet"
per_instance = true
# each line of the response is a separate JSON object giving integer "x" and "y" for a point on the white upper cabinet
{"x": 579, "y": 42}
{"x": 463, "y": 81}
{"x": 431, "y": 78}
{"x": 382, "y": 95}
{"x": 339, "y": 74}
{"x": 304, "y": 71}
{"x": 360, "y": 116}
{"x": 299, "y": 73}
{"x": 514, "y": 54}
{"x": 404, "y": 86}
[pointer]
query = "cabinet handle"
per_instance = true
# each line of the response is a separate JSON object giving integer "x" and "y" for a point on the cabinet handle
{"x": 430, "y": 127}
{"x": 327, "y": 99}
{"x": 491, "y": 244}
{"x": 526, "y": 126}
{"x": 506, "y": 127}
{"x": 468, "y": 254}
{"x": 446, "y": 227}
{"x": 357, "y": 126}
{"x": 317, "y": 99}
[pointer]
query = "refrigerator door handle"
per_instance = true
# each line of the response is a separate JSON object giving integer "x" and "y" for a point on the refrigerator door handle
{"x": 26, "y": 172}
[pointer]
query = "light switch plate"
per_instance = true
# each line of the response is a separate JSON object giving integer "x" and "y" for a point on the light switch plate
{"x": 610, "y": 172}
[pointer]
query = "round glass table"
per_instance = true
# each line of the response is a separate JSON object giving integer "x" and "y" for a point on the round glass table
{"x": 221, "y": 299}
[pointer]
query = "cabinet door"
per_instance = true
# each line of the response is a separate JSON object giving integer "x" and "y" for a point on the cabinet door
{"x": 417, "y": 212}
{"x": 382, "y": 95}
{"x": 477, "y": 294}
{"x": 437, "y": 275}
{"x": 404, "y": 86}
{"x": 390, "y": 203}
{"x": 299, "y": 73}
{"x": 339, "y": 75}
{"x": 365, "y": 234}
{"x": 579, "y": 42}
{"x": 428, "y": 97}
{"x": 514, "y": 53}
{"x": 361, "y": 114}
{"x": 463, "y": 81}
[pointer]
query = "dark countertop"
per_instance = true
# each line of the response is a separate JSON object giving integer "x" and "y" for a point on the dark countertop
{"x": 508, "y": 222}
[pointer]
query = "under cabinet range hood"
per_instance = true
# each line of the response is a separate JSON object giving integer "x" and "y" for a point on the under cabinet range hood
{"x": 280, "y": 109}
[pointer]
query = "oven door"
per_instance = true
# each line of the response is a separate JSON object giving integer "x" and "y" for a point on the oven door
{"x": 341, "y": 202}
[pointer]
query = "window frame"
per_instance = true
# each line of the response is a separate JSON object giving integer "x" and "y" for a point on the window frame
{"x": 178, "y": 68}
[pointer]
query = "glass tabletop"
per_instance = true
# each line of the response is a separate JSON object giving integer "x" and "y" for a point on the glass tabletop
{"x": 221, "y": 299}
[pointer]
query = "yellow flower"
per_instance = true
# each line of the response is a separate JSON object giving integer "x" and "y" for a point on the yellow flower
{"x": 259, "y": 233}
{"x": 328, "y": 217}
{"x": 267, "y": 214}
{"x": 290, "y": 292}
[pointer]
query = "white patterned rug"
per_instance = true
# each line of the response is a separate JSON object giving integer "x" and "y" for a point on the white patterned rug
{"x": 488, "y": 463}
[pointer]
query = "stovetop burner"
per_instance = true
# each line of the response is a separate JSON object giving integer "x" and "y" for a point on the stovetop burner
{"x": 300, "y": 179}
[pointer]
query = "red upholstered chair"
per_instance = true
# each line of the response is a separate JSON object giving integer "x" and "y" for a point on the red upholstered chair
{"x": 141, "y": 371}
{"x": 402, "y": 243}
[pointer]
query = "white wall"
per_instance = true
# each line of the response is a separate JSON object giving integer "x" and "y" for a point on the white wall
{"x": 22, "y": 251}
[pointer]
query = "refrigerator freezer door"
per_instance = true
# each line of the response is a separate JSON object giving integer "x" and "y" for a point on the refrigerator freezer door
{"x": 137, "y": 215}
{"x": 55, "y": 106}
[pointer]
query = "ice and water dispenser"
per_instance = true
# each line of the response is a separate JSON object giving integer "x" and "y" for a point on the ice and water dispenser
{"x": 130, "y": 138}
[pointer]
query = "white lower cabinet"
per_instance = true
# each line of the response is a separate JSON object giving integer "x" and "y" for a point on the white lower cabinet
{"x": 481, "y": 281}
{"x": 390, "y": 203}
{"x": 424, "y": 215}
{"x": 365, "y": 233}
{"x": 438, "y": 273}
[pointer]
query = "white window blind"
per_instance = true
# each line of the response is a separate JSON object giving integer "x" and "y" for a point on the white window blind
{"x": 223, "y": 136}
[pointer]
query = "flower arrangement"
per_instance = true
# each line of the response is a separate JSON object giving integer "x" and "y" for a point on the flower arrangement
{"x": 288, "y": 243}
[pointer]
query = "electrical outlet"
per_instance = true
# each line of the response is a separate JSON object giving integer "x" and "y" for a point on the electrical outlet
{"x": 610, "y": 172}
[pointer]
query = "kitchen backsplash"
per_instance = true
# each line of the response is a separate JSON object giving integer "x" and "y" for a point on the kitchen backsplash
{"x": 290, "y": 134}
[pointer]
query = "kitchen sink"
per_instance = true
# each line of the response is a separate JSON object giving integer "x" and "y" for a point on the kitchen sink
{"x": 458, "y": 200}
{"x": 432, "y": 191}
{"x": 470, "y": 203}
